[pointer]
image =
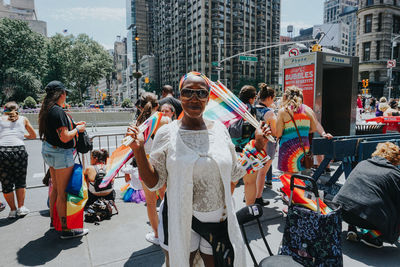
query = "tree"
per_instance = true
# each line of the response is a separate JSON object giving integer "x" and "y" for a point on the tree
{"x": 22, "y": 60}
{"x": 127, "y": 103}
{"x": 89, "y": 62}
{"x": 246, "y": 81}
{"x": 29, "y": 102}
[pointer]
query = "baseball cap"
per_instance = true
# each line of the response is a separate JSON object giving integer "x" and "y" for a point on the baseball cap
{"x": 56, "y": 86}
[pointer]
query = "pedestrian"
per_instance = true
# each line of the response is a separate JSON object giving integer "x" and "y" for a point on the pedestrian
{"x": 197, "y": 161}
{"x": 370, "y": 197}
{"x": 149, "y": 105}
{"x": 169, "y": 111}
{"x": 372, "y": 104}
{"x": 94, "y": 174}
{"x": 168, "y": 97}
{"x": 59, "y": 134}
{"x": 266, "y": 113}
{"x": 14, "y": 158}
{"x": 382, "y": 103}
{"x": 392, "y": 110}
{"x": 294, "y": 113}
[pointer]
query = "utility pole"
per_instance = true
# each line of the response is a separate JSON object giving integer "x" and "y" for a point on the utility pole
{"x": 137, "y": 63}
{"x": 393, "y": 43}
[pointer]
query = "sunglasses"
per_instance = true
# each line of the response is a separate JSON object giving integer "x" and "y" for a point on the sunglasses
{"x": 200, "y": 93}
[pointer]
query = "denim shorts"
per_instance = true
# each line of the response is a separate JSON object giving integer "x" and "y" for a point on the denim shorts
{"x": 57, "y": 157}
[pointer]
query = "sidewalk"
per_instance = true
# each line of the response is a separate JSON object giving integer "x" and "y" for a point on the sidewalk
{"x": 120, "y": 241}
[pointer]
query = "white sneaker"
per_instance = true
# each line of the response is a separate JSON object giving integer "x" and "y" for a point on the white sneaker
{"x": 22, "y": 211}
{"x": 12, "y": 214}
{"x": 150, "y": 237}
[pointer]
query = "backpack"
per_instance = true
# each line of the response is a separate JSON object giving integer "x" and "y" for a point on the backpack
{"x": 84, "y": 144}
{"x": 241, "y": 131}
{"x": 100, "y": 210}
{"x": 261, "y": 109}
{"x": 100, "y": 173}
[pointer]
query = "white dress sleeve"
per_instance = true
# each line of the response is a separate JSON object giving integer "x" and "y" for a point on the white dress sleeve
{"x": 158, "y": 156}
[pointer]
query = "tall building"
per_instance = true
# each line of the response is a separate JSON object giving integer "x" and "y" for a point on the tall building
{"x": 378, "y": 23}
{"x": 193, "y": 35}
{"x": 335, "y": 36}
{"x": 23, "y": 10}
{"x": 120, "y": 84}
{"x": 343, "y": 11}
{"x": 334, "y": 8}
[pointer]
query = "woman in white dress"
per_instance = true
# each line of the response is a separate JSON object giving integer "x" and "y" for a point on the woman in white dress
{"x": 197, "y": 160}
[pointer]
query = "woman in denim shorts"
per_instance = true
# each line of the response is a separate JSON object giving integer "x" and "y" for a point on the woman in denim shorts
{"x": 59, "y": 135}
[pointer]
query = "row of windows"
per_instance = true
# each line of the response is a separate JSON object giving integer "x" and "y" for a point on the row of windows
{"x": 367, "y": 51}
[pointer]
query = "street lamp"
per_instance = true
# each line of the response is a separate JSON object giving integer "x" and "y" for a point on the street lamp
{"x": 137, "y": 74}
{"x": 394, "y": 43}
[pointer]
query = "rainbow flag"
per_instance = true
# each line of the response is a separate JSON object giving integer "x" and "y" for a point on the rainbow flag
{"x": 75, "y": 207}
{"x": 298, "y": 195}
{"x": 217, "y": 109}
{"x": 123, "y": 153}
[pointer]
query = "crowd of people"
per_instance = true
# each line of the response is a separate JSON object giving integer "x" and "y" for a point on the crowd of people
{"x": 194, "y": 164}
{"x": 383, "y": 107}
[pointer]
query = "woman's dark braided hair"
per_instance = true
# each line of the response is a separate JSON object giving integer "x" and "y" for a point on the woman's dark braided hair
{"x": 148, "y": 101}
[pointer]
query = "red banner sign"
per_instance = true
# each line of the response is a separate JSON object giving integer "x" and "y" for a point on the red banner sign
{"x": 302, "y": 77}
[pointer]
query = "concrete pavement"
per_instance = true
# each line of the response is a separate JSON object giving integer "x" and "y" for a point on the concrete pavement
{"x": 120, "y": 241}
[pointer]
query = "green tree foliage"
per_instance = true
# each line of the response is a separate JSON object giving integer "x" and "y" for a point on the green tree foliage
{"x": 88, "y": 64}
{"x": 127, "y": 103}
{"x": 22, "y": 60}
{"x": 29, "y": 102}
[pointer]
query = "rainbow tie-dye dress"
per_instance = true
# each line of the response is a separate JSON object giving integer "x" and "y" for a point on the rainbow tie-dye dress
{"x": 290, "y": 150}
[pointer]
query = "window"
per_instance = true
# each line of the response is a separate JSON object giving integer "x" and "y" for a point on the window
{"x": 379, "y": 22}
{"x": 378, "y": 49}
{"x": 367, "y": 51}
{"x": 377, "y": 76}
{"x": 370, "y": 2}
{"x": 368, "y": 23}
{"x": 396, "y": 24}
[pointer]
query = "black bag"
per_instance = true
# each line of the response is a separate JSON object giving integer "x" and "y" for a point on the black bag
{"x": 100, "y": 173}
{"x": 242, "y": 129}
{"x": 311, "y": 238}
{"x": 100, "y": 210}
{"x": 84, "y": 144}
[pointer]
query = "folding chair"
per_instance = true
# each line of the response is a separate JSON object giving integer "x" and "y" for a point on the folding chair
{"x": 251, "y": 213}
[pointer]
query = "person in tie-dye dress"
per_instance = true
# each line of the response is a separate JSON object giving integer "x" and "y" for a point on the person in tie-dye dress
{"x": 290, "y": 149}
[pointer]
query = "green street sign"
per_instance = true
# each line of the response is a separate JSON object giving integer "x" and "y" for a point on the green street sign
{"x": 248, "y": 58}
{"x": 214, "y": 63}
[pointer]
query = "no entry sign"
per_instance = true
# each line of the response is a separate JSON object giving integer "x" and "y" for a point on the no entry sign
{"x": 294, "y": 52}
{"x": 302, "y": 77}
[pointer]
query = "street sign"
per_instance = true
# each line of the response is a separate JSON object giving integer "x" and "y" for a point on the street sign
{"x": 294, "y": 52}
{"x": 391, "y": 63}
{"x": 248, "y": 58}
{"x": 214, "y": 63}
{"x": 219, "y": 68}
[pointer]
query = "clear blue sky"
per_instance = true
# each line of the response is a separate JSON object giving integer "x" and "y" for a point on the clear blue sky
{"x": 103, "y": 20}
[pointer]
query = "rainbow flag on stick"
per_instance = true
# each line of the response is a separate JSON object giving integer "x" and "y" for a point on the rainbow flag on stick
{"x": 123, "y": 153}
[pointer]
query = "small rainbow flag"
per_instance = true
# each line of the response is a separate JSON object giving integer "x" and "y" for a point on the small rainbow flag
{"x": 123, "y": 153}
{"x": 217, "y": 109}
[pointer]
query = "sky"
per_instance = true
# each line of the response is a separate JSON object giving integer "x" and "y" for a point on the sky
{"x": 103, "y": 20}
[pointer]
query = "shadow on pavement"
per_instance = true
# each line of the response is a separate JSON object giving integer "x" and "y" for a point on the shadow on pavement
{"x": 44, "y": 249}
{"x": 44, "y": 213}
{"x": 150, "y": 256}
{"x": 387, "y": 256}
{"x": 6, "y": 221}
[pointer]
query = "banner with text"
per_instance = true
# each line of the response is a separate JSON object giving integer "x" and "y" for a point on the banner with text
{"x": 302, "y": 77}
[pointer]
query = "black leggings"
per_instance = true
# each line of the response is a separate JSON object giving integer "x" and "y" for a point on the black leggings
{"x": 13, "y": 165}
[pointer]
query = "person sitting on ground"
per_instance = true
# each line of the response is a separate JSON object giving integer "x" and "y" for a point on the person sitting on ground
{"x": 14, "y": 158}
{"x": 392, "y": 110}
{"x": 168, "y": 110}
{"x": 94, "y": 175}
{"x": 168, "y": 97}
{"x": 370, "y": 197}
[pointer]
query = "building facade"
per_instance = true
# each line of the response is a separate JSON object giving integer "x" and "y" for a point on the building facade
{"x": 378, "y": 24}
{"x": 120, "y": 81}
{"x": 195, "y": 35}
{"x": 23, "y": 10}
{"x": 349, "y": 16}
{"x": 334, "y": 36}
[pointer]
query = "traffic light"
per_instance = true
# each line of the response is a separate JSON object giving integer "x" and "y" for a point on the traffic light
{"x": 146, "y": 80}
{"x": 366, "y": 91}
{"x": 366, "y": 82}
{"x": 316, "y": 48}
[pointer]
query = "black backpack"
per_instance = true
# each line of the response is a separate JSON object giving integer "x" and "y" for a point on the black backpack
{"x": 84, "y": 144}
{"x": 242, "y": 129}
{"x": 100, "y": 210}
{"x": 100, "y": 173}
